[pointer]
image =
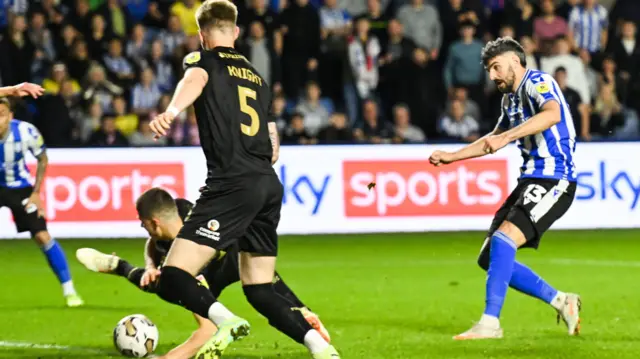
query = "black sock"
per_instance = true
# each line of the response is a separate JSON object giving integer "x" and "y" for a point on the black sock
{"x": 179, "y": 287}
{"x": 278, "y": 310}
{"x": 133, "y": 274}
{"x": 281, "y": 288}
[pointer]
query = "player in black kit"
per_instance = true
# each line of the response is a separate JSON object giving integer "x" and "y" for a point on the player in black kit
{"x": 162, "y": 217}
{"x": 243, "y": 196}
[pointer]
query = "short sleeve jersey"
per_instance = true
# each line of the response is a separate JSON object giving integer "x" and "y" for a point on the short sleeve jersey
{"x": 232, "y": 114}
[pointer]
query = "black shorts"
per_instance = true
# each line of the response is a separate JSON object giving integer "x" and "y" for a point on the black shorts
{"x": 534, "y": 205}
{"x": 242, "y": 210}
{"x": 15, "y": 199}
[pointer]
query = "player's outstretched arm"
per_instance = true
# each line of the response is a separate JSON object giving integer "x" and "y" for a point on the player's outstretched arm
{"x": 275, "y": 142}
{"x": 21, "y": 90}
{"x": 472, "y": 150}
{"x": 187, "y": 91}
{"x": 190, "y": 348}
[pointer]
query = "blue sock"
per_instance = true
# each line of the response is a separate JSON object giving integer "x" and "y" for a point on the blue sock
{"x": 503, "y": 256}
{"x": 528, "y": 282}
{"x": 57, "y": 260}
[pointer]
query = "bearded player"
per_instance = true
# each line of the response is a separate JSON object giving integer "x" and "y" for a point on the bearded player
{"x": 536, "y": 115}
{"x": 162, "y": 217}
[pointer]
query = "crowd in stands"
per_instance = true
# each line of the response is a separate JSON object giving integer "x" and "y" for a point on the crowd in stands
{"x": 342, "y": 71}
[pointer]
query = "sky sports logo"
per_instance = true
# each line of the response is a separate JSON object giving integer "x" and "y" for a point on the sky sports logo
{"x": 105, "y": 192}
{"x": 415, "y": 188}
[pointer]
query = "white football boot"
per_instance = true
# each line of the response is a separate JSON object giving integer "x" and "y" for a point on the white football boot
{"x": 97, "y": 261}
{"x": 570, "y": 313}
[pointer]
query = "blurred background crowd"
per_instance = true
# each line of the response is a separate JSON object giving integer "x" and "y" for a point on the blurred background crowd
{"x": 342, "y": 71}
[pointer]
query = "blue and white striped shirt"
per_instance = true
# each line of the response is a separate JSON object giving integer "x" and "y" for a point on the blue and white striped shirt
{"x": 587, "y": 26}
{"x": 22, "y": 137}
{"x": 548, "y": 154}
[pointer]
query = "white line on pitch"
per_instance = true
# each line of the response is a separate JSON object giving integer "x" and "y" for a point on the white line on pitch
{"x": 27, "y": 345}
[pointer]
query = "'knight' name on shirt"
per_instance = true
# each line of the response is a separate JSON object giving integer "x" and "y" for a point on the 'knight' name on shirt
{"x": 244, "y": 74}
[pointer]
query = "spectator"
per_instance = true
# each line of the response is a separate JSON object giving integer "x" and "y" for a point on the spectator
{"x": 625, "y": 50}
{"x": 126, "y": 121}
{"x": 522, "y": 17}
{"x": 99, "y": 89}
{"x": 137, "y": 46}
{"x": 565, "y": 8}
{"x": 588, "y": 26}
{"x": 422, "y": 24}
{"x": 590, "y": 75}
{"x": 80, "y": 19}
{"x": 161, "y": 67}
{"x": 17, "y": 53}
{"x": 98, "y": 38}
{"x": 363, "y": 57}
{"x": 89, "y": 122}
{"x": 107, "y": 135}
{"x": 378, "y": 20}
{"x": 507, "y": 30}
{"x": 607, "y": 116}
{"x": 116, "y": 18}
{"x": 144, "y": 137}
{"x": 394, "y": 60}
{"x": 337, "y": 131}
{"x": 372, "y": 129}
{"x": 260, "y": 12}
{"x": 611, "y": 76}
{"x": 301, "y": 30}
{"x": 471, "y": 107}
{"x": 54, "y": 119}
{"x": 145, "y": 94}
{"x": 562, "y": 57}
{"x": 41, "y": 37}
{"x": 462, "y": 68}
{"x": 186, "y": 12}
{"x": 53, "y": 13}
{"x": 278, "y": 106}
{"x": 529, "y": 47}
{"x": 59, "y": 74}
{"x": 458, "y": 126}
{"x": 422, "y": 89}
{"x": 335, "y": 26}
{"x": 185, "y": 132}
{"x": 120, "y": 68}
{"x": 405, "y": 132}
{"x": 548, "y": 26}
{"x": 137, "y": 9}
{"x": 78, "y": 62}
{"x": 259, "y": 50}
{"x": 452, "y": 14}
{"x": 315, "y": 114}
{"x": 296, "y": 133}
{"x": 64, "y": 43}
{"x": 154, "y": 18}
{"x": 579, "y": 111}
{"x": 173, "y": 37}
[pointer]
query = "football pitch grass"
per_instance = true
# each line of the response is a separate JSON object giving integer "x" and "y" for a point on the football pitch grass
{"x": 398, "y": 296}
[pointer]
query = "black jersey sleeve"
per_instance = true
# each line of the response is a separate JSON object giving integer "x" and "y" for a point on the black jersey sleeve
{"x": 184, "y": 207}
{"x": 200, "y": 59}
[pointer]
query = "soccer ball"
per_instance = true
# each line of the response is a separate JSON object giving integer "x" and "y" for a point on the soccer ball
{"x": 135, "y": 336}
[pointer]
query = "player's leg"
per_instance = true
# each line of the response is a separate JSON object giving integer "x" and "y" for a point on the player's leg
{"x": 527, "y": 220}
{"x": 29, "y": 220}
{"x": 97, "y": 261}
{"x": 224, "y": 271}
{"x": 525, "y": 280}
{"x": 256, "y": 274}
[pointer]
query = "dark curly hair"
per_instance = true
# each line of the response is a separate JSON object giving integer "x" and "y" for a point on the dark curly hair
{"x": 500, "y": 46}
